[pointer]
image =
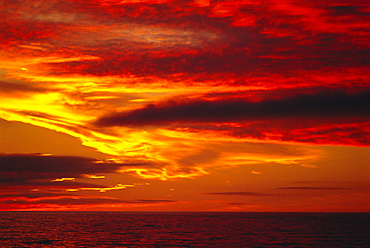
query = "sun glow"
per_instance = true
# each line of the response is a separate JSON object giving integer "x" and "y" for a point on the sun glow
{"x": 226, "y": 96}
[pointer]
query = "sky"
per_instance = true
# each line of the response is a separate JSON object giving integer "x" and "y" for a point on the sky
{"x": 157, "y": 105}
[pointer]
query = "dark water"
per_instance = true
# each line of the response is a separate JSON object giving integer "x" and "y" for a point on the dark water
{"x": 122, "y": 229}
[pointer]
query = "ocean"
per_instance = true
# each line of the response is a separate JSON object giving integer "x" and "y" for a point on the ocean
{"x": 183, "y": 229}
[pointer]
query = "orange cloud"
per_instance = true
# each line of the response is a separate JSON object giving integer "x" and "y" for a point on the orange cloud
{"x": 175, "y": 90}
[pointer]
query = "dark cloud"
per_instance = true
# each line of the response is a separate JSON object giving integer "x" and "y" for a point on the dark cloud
{"x": 37, "y": 166}
{"x": 34, "y": 195}
{"x": 322, "y": 105}
{"x": 22, "y": 184}
{"x": 242, "y": 193}
{"x": 311, "y": 188}
{"x": 344, "y": 10}
{"x": 34, "y": 179}
{"x": 38, "y": 169}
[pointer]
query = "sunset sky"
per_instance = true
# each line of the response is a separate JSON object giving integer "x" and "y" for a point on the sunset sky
{"x": 155, "y": 105}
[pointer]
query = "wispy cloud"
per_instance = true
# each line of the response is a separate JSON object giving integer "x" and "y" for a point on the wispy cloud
{"x": 311, "y": 188}
{"x": 241, "y": 193}
{"x": 237, "y": 203}
{"x": 153, "y": 200}
{"x": 14, "y": 89}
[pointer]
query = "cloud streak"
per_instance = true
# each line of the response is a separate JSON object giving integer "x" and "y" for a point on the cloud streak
{"x": 19, "y": 89}
{"x": 35, "y": 172}
{"x": 39, "y": 181}
{"x": 24, "y": 167}
{"x": 325, "y": 105}
{"x": 239, "y": 193}
{"x": 310, "y": 188}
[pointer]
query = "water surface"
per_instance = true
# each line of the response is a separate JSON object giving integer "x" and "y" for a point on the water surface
{"x": 144, "y": 229}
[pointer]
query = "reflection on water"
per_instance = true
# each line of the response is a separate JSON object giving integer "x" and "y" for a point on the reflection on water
{"x": 120, "y": 229}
